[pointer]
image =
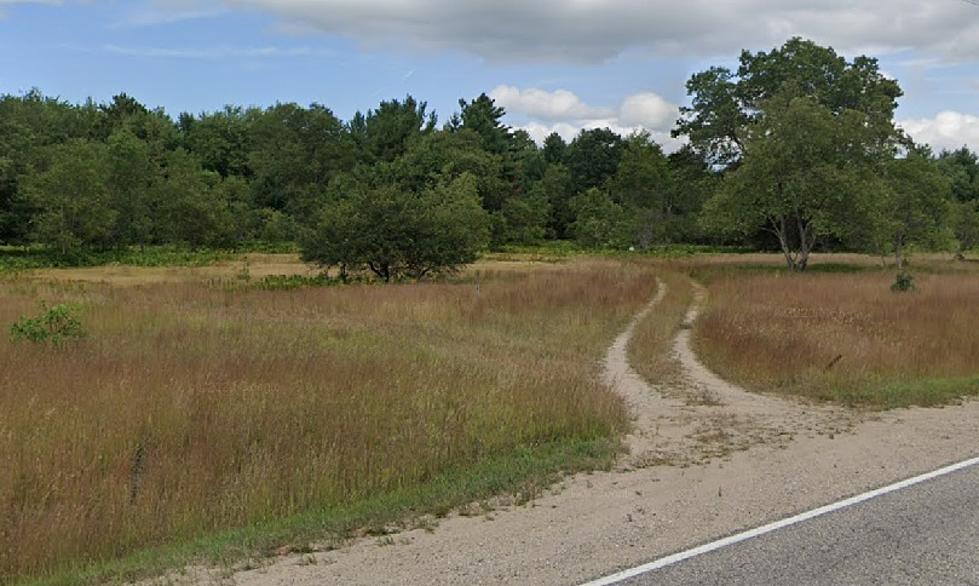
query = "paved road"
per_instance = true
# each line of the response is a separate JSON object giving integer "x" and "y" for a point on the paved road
{"x": 925, "y": 534}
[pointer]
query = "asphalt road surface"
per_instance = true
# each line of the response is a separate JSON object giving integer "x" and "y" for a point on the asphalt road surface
{"x": 924, "y": 534}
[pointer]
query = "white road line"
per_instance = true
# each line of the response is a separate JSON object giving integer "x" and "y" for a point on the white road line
{"x": 800, "y": 518}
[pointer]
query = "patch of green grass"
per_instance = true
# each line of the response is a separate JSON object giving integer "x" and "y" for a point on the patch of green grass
{"x": 13, "y": 259}
{"x": 560, "y": 248}
{"x": 685, "y": 250}
{"x": 920, "y": 393}
{"x": 524, "y": 474}
{"x": 270, "y": 247}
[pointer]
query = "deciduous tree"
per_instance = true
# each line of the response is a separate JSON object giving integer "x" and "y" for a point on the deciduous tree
{"x": 71, "y": 198}
{"x": 395, "y": 233}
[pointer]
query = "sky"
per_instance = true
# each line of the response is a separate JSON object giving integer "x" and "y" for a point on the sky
{"x": 555, "y": 65}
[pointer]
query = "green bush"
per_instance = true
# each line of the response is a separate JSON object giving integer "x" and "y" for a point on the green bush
{"x": 903, "y": 283}
{"x": 55, "y": 325}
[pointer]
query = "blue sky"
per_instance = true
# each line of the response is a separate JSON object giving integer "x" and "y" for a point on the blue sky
{"x": 555, "y": 64}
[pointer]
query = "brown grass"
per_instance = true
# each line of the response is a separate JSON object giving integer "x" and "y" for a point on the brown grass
{"x": 845, "y": 337}
{"x": 650, "y": 352}
{"x": 190, "y": 408}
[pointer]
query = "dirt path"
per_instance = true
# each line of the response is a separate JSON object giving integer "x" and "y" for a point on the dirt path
{"x": 618, "y": 374}
{"x": 706, "y": 458}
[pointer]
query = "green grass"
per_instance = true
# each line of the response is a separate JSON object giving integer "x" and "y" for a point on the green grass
{"x": 522, "y": 474}
{"x": 14, "y": 259}
{"x": 922, "y": 393}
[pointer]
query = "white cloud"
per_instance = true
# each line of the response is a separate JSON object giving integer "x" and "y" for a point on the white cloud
{"x": 947, "y": 130}
{"x": 593, "y": 30}
{"x": 563, "y": 112}
{"x": 556, "y": 105}
{"x": 649, "y": 111}
{"x": 568, "y": 131}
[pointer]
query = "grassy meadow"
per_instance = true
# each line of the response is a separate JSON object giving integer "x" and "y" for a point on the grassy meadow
{"x": 838, "y": 333}
{"x": 225, "y": 410}
{"x": 207, "y": 407}
{"x": 651, "y": 350}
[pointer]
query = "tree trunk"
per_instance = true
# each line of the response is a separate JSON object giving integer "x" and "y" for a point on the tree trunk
{"x": 803, "y": 261}
{"x": 783, "y": 240}
{"x": 807, "y": 241}
{"x": 900, "y": 258}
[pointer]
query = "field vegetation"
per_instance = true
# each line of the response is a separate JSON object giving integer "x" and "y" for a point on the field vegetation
{"x": 191, "y": 409}
{"x": 651, "y": 350}
{"x": 841, "y": 334}
{"x": 160, "y": 386}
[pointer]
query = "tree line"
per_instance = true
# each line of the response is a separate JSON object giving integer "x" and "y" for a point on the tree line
{"x": 795, "y": 150}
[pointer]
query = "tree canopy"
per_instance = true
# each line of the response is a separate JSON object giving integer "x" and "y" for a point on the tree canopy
{"x": 396, "y": 233}
{"x": 725, "y": 105}
{"x": 795, "y": 150}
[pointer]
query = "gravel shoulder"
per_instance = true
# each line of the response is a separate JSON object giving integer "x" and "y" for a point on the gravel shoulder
{"x": 706, "y": 459}
{"x": 924, "y": 534}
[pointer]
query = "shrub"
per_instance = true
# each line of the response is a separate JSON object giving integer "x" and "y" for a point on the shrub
{"x": 903, "y": 283}
{"x": 396, "y": 233}
{"x": 55, "y": 325}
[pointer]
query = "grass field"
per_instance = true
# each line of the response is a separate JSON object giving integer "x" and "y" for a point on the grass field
{"x": 650, "y": 352}
{"x": 219, "y": 411}
{"x": 838, "y": 333}
{"x": 229, "y": 417}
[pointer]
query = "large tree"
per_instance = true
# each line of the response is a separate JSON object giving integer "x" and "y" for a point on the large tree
{"x": 643, "y": 185}
{"x": 193, "y": 210}
{"x": 395, "y": 233}
{"x": 431, "y": 158}
{"x": 599, "y": 222}
{"x": 71, "y": 198}
{"x": 800, "y": 130}
{"x": 484, "y": 117}
{"x": 131, "y": 177}
{"x": 384, "y": 133}
{"x": 555, "y": 149}
{"x": 693, "y": 183}
{"x": 806, "y": 173}
{"x": 725, "y": 105}
{"x": 961, "y": 167}
{"x": 556, "y": 187}
{"x": 222, "y": 140}
{"x": 29, "y": 125}
{"x": 965, "y": 225}
{"x": 593, "y": 158}
{"x": 913, "y": 206}
{"x": 296, "y": 152}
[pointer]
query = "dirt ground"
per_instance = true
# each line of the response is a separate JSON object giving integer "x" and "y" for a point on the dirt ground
{"x": 706, "y": 459}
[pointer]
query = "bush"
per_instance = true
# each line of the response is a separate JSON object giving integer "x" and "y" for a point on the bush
{"x": 396, "y": 233}
{"x": 55, "y": 325}
{"x": 599, "y": 222}
{"x": 903, "y": 283}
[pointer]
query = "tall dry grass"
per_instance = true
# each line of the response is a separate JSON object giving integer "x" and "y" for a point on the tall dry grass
{"x": 190, "y": 409}
{"x": 845, "y": 337}
{"x": 651, "y": 349}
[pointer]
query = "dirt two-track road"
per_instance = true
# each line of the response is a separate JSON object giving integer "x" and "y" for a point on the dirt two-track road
{"x": 707, "y": 460}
